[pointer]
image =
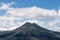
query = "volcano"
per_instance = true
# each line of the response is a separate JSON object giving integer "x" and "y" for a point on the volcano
{"x": 30, "y": 31}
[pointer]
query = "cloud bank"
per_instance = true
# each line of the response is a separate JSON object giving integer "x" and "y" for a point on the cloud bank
{"x": 15, "y": 17}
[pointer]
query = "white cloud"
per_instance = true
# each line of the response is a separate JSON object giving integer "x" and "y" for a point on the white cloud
{"x": 31, "y": 12}
{"x": 59, "y": 12}
{"x": 8, "y": 21}
{"x": 6, "y": 6}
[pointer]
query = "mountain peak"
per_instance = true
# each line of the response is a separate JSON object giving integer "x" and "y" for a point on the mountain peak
{"x": 31, "y": 31}
{"x": 29, "y": 25}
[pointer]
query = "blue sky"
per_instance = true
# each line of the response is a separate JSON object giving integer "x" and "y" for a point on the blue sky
{"x": 46, "y": 13}
{"x": 48, "y": 4}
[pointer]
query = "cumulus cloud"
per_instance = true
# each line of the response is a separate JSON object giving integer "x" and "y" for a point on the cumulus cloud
{"x": 59, "y": 12}
{"x": 31, "y": 12}
{"x": 6, "y": 6}
{"x": 15, "y": 17}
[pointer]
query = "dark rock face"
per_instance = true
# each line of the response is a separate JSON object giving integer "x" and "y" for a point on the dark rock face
{"x": 31, "y": 31}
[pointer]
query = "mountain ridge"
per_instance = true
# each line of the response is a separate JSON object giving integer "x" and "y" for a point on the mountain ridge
{"x": 31, "y": 31}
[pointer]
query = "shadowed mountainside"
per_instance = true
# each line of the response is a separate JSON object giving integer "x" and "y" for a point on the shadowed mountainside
{"x": 30, "y": 31}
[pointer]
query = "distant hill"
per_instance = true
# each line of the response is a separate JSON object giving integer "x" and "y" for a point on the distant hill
{"x": 30, "y": 31}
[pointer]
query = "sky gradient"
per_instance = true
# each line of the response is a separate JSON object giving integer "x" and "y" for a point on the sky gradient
{"x": 14, "y": 13}
{"x": 47, "y": 4}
